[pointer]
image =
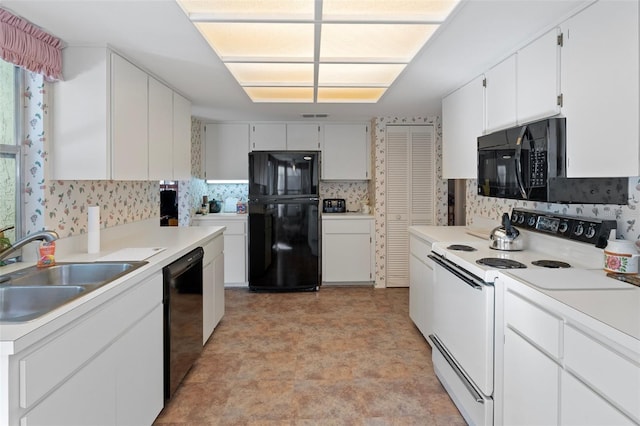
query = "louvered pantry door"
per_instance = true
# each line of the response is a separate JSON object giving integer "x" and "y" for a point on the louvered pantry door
{"x": 410, "y": 178}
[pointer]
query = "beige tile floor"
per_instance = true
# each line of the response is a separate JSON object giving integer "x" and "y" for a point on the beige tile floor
{"x": 339, "y": 356}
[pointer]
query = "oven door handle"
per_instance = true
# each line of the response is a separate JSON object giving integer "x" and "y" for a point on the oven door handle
{"x": 468, "y": 279}
{"x": 440, "y": 347}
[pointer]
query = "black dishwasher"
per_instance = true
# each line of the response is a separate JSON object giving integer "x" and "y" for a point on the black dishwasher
{"x": 182, "y": 317}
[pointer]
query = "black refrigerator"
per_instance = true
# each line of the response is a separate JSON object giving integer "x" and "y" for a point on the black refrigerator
{"x": 284, "y": 225}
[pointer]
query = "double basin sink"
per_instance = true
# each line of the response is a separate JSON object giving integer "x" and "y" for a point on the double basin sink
{"x": 29, "y": 293}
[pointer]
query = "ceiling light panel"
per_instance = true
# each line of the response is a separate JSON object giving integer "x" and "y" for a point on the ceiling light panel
{"x": 280, "y": 94}
{"x": 257, "y": 42}
{"x": 350, "y": 94}
{"x": 358, "y": 74}
{"x": 269, "y": 74}
{"x": 372, "y": 43}
{"x": 336, "y": 50}
{"x": 230, "y": 10}
{"x": 387, "y": 11}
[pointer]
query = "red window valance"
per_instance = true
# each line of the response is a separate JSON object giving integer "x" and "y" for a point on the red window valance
{"x": 27, "y": 46}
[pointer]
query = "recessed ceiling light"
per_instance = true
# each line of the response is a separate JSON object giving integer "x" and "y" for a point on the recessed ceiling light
{"x": 316, "y": 51}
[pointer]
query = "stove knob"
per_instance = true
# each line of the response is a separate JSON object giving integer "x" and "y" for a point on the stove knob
{"x": 563, "y": 227}
{"x": 579, "y": 230}
{"x": 531, "y": 221}
{"x": 521, "y": 219}
{"x": 514, "y": 217}
{"x": 591, "y": 231}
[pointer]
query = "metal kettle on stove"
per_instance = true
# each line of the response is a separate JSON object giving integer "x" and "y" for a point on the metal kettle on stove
{"x": 506, "y": 237}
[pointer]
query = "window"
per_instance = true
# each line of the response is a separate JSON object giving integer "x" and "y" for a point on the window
{"x": 10, "y": 131}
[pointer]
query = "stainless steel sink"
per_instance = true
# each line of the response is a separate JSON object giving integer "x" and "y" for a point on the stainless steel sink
{"x": 31, "y": 292}
{"x": 28, "y": 302}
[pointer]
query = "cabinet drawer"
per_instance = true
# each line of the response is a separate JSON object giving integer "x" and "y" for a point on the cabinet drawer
{"x": 212, "y": 250}
{"x": 612, "y": 374}
{"x": 535, "y": 324}
{"x": 347, "y": 226}
{"x": 46, "y": 367}
{"x": 419, "y": 248}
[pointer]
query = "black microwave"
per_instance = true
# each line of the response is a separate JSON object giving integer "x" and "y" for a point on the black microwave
{"x": 528, "y": 162}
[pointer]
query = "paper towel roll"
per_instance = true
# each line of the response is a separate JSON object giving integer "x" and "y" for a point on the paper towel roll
{"x": 93, "y": 230}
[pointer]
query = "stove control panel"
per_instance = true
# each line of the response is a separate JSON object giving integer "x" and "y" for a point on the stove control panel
{"x": 592, "y": 231}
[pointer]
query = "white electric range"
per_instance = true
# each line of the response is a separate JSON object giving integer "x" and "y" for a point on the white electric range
{"x": 560, "y": 251}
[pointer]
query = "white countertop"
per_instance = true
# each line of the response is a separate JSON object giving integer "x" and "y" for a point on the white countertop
{"x": 177, "y": 240}
{"x": 433, "y": 234}
{"x": 220, "y": 216}
{"x": 348, "y": 216}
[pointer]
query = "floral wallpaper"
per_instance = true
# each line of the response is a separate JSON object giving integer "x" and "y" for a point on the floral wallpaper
{"x": 627, "y": 216}
{"x": 221, "y": 192}
{"x": 354, "y": 192}
{"x": 190, "y": 192}
{"x": 379, "y": 145}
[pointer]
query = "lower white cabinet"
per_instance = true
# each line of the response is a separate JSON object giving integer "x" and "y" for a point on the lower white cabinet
{"x": 530, "y": 383}
{"x": 104, "y": 369}
{"x": 235, "y": 245}
{"x": 421, "y": 285}
{"x": 212, "y": 287}
{"x": 347, "y": 248}
{"x": 560, "y": 366}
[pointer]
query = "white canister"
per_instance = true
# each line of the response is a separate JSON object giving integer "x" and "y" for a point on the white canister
{"x": 621, "y": 256}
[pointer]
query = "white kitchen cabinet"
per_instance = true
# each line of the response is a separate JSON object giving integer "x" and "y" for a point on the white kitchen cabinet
{"x": 110, "y": 120}
{"x": 181, "y": 166}
{"x": 129, "y": 120}
{"x": 345, "y": 152}
{"x": 580, "y": 406}
{"x": 530, "y": 383}
{"x": 169, "y": 133}
{"x": 160, "y": 130}
{"x": 212, "y": 281}
{"x": 226, "y": 151}
{"x": 347, "y": 248}
{"x": 538, "y": 78}
{"x": 558, "y": 365}
{"x": 600, "y": 90}
{"x": 268, "y": 137}
{"x": 462, "y": 124}
{"x": 500, "y": 95}
{"x": 235, "y": 245}
{"x": 105, "y": 368}
{"x": 303, "y": 136}
{"x": 421, "y": 282}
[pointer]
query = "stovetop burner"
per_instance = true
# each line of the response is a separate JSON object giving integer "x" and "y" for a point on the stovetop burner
{"x": 551, "y": 263}
{"x": 461, "y": 247}
{"x": 500, "y": 263}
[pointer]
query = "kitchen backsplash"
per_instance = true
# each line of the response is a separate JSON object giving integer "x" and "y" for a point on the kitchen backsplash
{"x": 627, "y": 216}
{"x": 352, "y": 191}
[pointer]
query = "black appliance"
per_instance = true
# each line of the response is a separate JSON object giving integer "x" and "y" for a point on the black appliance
{"x": 528, "y": 162}
{"x": 182, "y": 305}
{"x": 284, "y": 226}
{"x": 334, "y": 205}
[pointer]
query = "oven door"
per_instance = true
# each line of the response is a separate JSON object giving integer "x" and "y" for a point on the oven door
{"x": 463, "y": 321}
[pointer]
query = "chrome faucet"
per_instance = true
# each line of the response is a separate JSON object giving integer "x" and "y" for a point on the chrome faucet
{"x": 47, "y": 236}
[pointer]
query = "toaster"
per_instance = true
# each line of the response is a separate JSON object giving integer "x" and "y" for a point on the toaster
{"x": 334, "y": 205}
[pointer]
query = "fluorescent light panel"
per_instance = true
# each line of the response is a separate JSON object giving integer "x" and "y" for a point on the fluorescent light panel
{"x": 316, "y": 50}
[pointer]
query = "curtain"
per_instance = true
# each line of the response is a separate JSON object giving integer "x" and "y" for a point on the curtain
{"x": 27, "y": 46}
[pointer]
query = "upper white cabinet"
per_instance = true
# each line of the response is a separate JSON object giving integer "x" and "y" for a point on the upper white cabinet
{"x": 462, "y": 123}
{"x": 101, "y": 119}
{"x": 345, "y": 152}
{"x": 600, "y": 90}
{"x": 181, "y": 138}
{"x": 226, "y": 151}
{"x": 268, "y": 137}
{"x": 501, "y": 95}
{"x": 538, "y": 78}
{"x": 129, "y": 115}
{"x": 160, "y": 130}
{"x": 303, "y": 136}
